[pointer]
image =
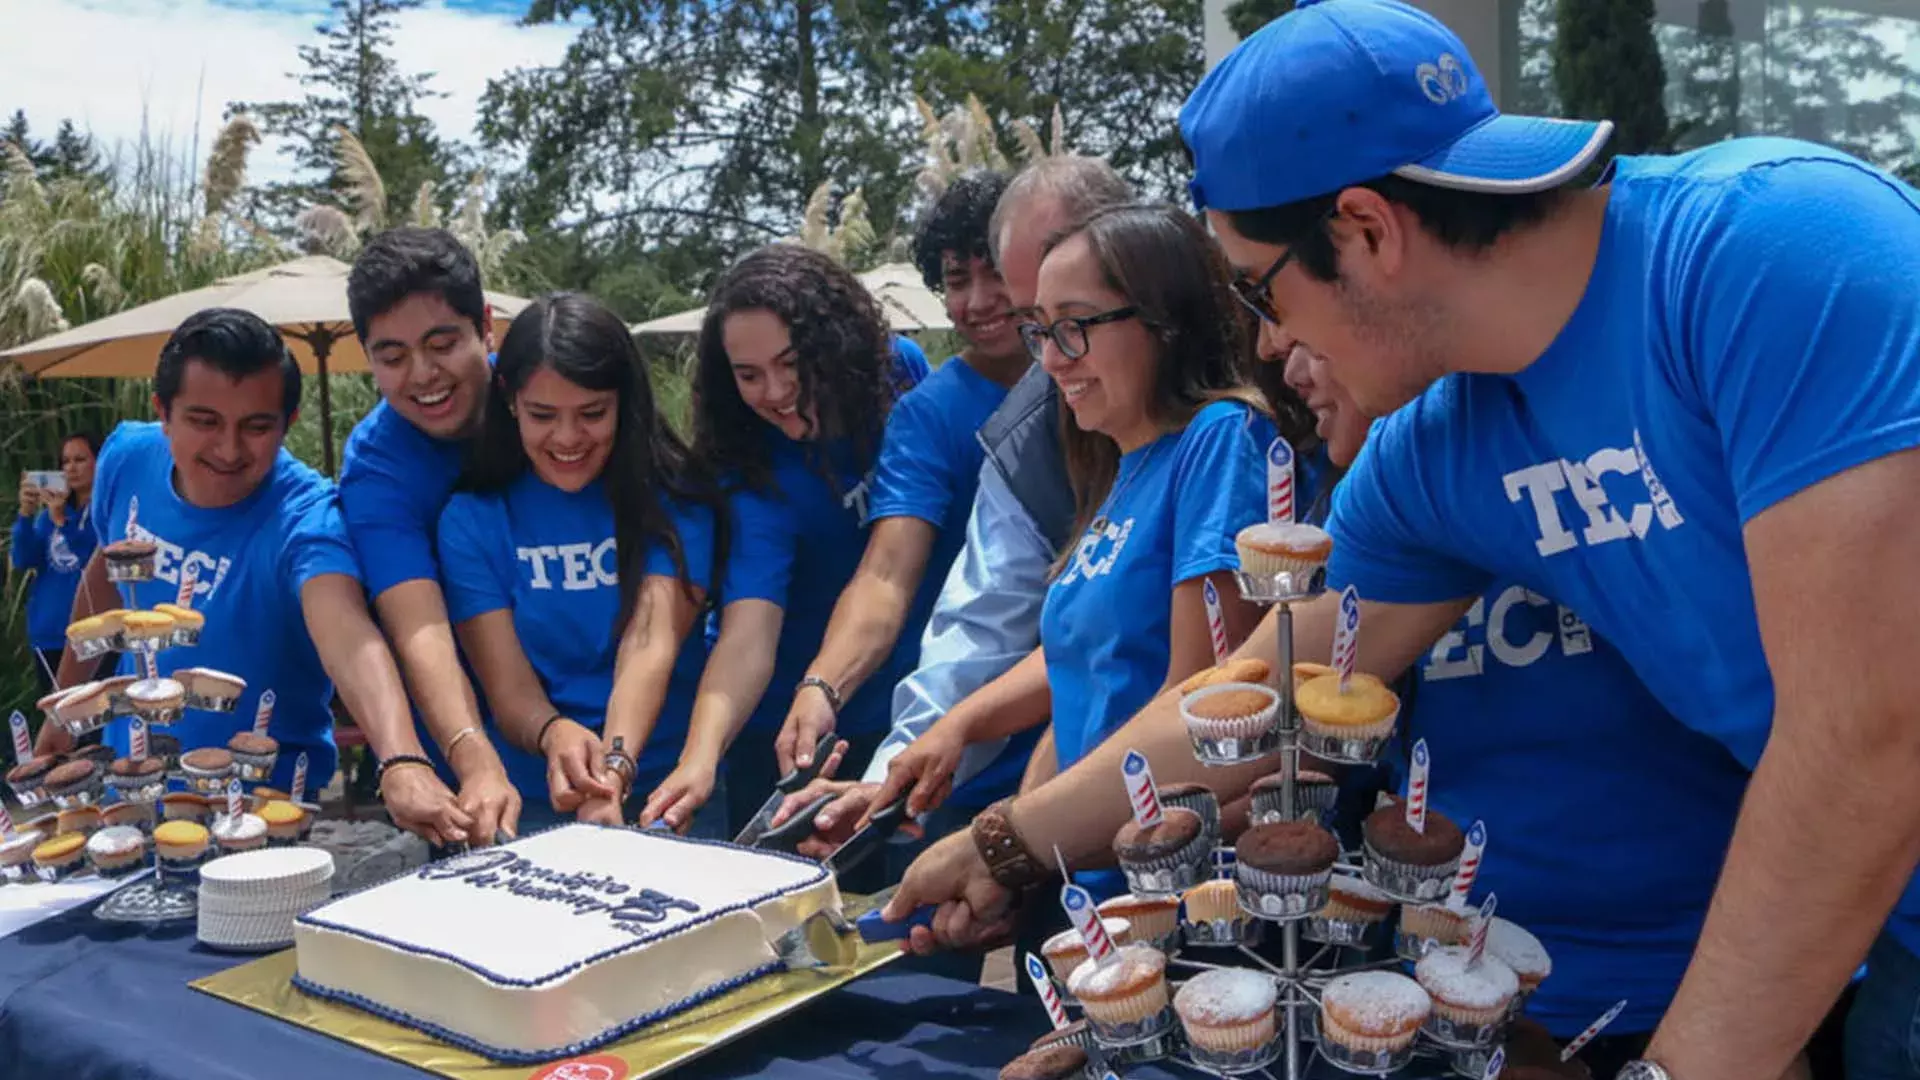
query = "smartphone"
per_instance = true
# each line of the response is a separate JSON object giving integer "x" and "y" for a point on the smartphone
{"x": 54, "y": 482}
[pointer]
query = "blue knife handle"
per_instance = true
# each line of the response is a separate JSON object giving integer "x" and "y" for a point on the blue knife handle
{"x": 873, "y": 928}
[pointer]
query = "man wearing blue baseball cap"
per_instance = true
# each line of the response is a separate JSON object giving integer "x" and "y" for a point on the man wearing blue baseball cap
{"x": 1684, "y": 403}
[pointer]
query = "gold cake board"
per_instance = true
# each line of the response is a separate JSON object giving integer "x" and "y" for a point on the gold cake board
{"x": 266, "y": 985}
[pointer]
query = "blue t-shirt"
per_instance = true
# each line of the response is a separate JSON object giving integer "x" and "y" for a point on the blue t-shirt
{"x": 1751, "y": 328}
{"x": 394, "y": 481}
{"x": 253, "y": 558}
{"x": 57, "y": 554}
{"x": 549, "y": 557}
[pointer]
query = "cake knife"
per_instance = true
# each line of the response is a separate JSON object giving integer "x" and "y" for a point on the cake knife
{"x": 872, "y": 837}
{"x": 800, "y": 777}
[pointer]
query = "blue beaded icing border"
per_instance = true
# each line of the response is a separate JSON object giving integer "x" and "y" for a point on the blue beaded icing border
{"x": 533, "y": 1057}
{"x": 821, "y": 875}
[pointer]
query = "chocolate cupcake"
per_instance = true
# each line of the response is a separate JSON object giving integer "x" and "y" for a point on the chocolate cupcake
{"x": 98, "y": 753}
{"x": 1198, "y": 798}
{"x": 253, "y": 755}
{"x": 16, "y": 854}
{"x": 1232, "y": 722}
{"x": 74, "y": 783}
{"x": 28, "y": 780}
{"x": 1058, "y": 1062}
{"x": 207, "y": 769}
{"x": 129, "y": 560}
{"x": 165, "y": 747}
{"x": 1412, "y": 867}
{"x": 1283, "y": 869}
{"x": 1074, "y": 1034}
{"x": 117, "y": 851}
{"x": 1164, "y": 858}
{"x": 139, "y": 781}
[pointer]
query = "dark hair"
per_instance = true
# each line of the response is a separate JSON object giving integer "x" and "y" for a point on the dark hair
{"x": 233, "y": 342}
{"x": 842, "y": 352}
{"x": 588, "y": 345}
{"x": 958, "y": 223}
{"x": 1468, "y": 221}
{"x": 401, "y": 262}
{"x": 1167, "y": 267}
{"x": 93, "y": 447}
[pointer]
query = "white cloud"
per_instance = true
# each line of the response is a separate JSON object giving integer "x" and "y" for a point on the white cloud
{"x": 114, "y": 66}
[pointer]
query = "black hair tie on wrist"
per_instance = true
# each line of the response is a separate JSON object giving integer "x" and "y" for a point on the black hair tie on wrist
{"x": 539, "y": 741}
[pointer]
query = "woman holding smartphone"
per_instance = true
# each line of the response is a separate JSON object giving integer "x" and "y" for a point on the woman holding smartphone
{"x": 54, "y": 538}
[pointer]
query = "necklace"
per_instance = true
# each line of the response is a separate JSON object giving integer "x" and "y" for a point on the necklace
{"x": 1099, "y": 523}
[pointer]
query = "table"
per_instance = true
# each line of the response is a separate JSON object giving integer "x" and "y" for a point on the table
{"x": 83, "y": 998}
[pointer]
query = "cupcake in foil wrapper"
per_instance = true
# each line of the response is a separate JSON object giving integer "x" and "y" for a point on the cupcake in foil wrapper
{"x": 138, "y": 781}
{"x": 1354, "y": 913}
{"x": 1412, "y": 867}
{"x": 253, "y": 755}
{"x": 1424, "y": 927}
{"x": 1138, "y": 1034}
{"x": 133, "y": 815}
{"x": 1151, "y": 920}
{"x": 1368, "y": 1021}
{"x": 1269, "y": 548}
{"x": 158, "y": 701}
{"x": 1349, "y": 725}
{"x": 28, "y": 780}
{"x": 181, "y": 849}
{"x": 1078, "y": 1033}
{"x": 1231, "y": 723}
{"x": 1064, "y": 952}
{"x": 1314, "y": 796}
{"x": 130, "y": 560}
{"x": 207, "y": 770}
{"x": 187, "y": 624}
{"x": 1470, "y": 1001}
{"x": 1283, "y": 869}
{"x": 1229, "y": 1019}
{"x": 74, "y": 783}
{"x": 1165, "y": 858}
{"x": 1125, "y": 999}
{"x": 185, "y": 806}
{"x": 91, "y": 638}
{"x": 1198, "y": 798}
{"x": 60, "y": 857}
{"x": 1520, "y": 950}
{"x": 117, "y": 851}
{"x": 87, "y": 708}
{"x": 1211, "y": 917}
{"x": 210, "y": 690}
{"x": 16, "y": 855}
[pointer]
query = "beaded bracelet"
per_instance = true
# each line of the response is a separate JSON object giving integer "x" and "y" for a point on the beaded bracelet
{"x": 380, "y": 774}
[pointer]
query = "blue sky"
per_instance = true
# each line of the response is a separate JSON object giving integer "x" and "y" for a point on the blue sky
{"x": 113, "y": 66}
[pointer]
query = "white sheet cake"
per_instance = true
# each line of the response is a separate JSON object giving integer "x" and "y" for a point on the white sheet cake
{"x": 561, "y": 941}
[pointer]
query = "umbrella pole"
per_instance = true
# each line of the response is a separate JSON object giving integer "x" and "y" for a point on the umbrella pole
{"x": 322, "y": 348}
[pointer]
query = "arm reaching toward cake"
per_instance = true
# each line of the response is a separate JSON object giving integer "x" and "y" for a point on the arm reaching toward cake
{"x": 1010, "y": 704}
{"x": 663, "y": 615}
{"x": 522, "y": 709}
{"x": 736, "y": 676}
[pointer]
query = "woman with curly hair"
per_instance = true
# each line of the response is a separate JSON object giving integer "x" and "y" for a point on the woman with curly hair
{"x": 794, "y": 379}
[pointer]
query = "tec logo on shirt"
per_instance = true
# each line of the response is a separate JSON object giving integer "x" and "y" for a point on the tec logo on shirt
{"x": 169, "y": 559}
{"x": 1454, "y": 657}
{"x": 1604, "y": 522}
{"x": 1089, "y": 561}
{"x": 572, "y": 567}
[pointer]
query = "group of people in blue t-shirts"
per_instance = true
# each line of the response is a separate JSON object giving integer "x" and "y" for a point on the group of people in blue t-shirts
{"x": 542, "y": 599}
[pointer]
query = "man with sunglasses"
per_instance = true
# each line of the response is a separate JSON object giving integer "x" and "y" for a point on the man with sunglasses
{"x": 1684, "y": 403}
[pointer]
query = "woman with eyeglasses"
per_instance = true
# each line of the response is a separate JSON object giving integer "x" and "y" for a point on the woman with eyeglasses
{"x": 577, "y": 557}
{"x": 1165, "y": 443}
{"x": 794, "y": 379}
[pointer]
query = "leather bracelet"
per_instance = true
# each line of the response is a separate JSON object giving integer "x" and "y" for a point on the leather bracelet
{"x": 1006, "y": 855}
{"x": 380, "y": 774}
{"x": 825, "y": 687}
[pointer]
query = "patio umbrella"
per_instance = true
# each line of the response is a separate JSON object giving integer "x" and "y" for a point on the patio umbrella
{"x": 909, "y": 306}
{"x": 305, "y": 298}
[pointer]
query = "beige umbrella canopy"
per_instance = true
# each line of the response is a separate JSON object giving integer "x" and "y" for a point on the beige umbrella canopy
{"x": 306, "y": 298}
{"x": 909, "y": 306}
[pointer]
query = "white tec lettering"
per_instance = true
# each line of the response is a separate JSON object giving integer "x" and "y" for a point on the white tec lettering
{"x": 1085, "y": 565}
{"x": 1512, "y": 642}
{"x": 571, "y": 567}
{"x": 1599, "y": 520}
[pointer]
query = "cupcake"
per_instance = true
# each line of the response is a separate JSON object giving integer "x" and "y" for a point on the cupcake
{"x": 181, "y": 845}
{"x": 1164, "y": 858}
{"x": 16, "y": 854}
{"x": 1064, "y": 952}
{"x": 163, "y": 746}
{"x": 116, "y": 624}
{"x": 91, "y": 637}
{"x": 1057, "y": 1062}
{"x": 1233, "y": 671}
{"x": 116, "y": 851}
{"x": 1125, "y": 999}
{"x": 74, "y": 783}
{"x": 47, "y": 702}
{"x": 28, "y": 780}
{"x": 1231, "y": 722}
{"x": 1314, "y": 796}
{"x": 207, "y": 769}
{"x": 130, "y": 814}
{"x": 59, "y": 857}
{"x": 81, "y": 820}
{"x": 214, "y": 691}
{"x": 1354, "y": 908}
{"x": 159, "y": 700}
{"x": 1152, "y": 920}
{"x": 1210, "y": 916}
{"x": 283, "y": 819}
{"x": 129, "y": 560}
{"x": 187, "y": 623}
{"x": 114, "y": 690}
{"x": 1228, "y": 1016}
{"x": 1346, "y": 726}
{"x": 1470, "y": 1001}
{"x": 1424, "y": 927}
{"x": 185, "y": 806}
{"x": 148, "y": 630}
{"x": 85, "y": 708}
{"x": 1282, "y": 547}
{"x": 1368, "y": 1020}
{"x": 253, "y": 755}
{"x": 98, "y": 753}
{"x": 1198, "y": 798}
{"x": 1411, "y": 866}
{"x": 45, "y": 825}
{"x": 1283, "y": 869}
{"x": 239, "y": 832}
{"x": 1074, "y": 1034}
{"x": 140, "y": 780}
{"x": 1513, "y": 946}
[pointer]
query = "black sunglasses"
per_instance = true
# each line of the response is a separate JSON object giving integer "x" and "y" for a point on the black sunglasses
{"x": 1069, "y": 334}
{"x": 1255, "y": 295}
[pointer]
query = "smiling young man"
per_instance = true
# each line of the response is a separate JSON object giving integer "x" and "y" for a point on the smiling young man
{"x": 923, "y": 487}
{"x": 421, "y": 316}
{"x": 1684, "y": 403}
{"x": 211, "y": 486}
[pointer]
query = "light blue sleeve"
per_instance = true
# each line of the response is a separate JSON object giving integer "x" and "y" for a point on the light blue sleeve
{"x": 694, "y": 524}
{"x": 914, "y": 477}
{"x": 474, "y": 537}
{"x": 986, "y": 620}
{"x": 1796, "y": 312}
{"x": 760, "y": 549}
{"x": 1219, "y": 486}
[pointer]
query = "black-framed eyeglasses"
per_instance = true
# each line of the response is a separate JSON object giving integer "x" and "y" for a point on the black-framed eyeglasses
{"x": 1069, "y": 334}
{"x": 1256, "y": 295}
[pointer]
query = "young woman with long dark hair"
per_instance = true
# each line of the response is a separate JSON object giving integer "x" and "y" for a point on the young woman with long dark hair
{"x": 53, "y": 537}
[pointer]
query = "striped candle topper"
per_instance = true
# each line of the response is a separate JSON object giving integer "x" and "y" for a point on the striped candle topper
{"x": 1048, "y": 995}
{"x": 234, "y": 803}
{"x": 1216, "y": 623}
{"x": 299, "y": 790}
{"x": 1593, "y": 1029}
{"x": 6, "y": 821}
{"x": 1477, "y": 944}
{"x": 1346, "y": 636}
{"x": 1280, "y": 482}
{"x": 1140, "y": 789}
{"x": 1417, "y": 788}
{"x": 189, "y": 583}
{"x": 133, "y": 515}
{"x": 1470, "y": 857}
{"x": 263, "y": 716}
{"x": 1086, "y": 922}
{"x": 137, "y": 737}
{"x": 22, "y": 741}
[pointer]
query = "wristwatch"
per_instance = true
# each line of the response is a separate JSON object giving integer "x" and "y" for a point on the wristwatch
{"x": 1641, "y": 1070}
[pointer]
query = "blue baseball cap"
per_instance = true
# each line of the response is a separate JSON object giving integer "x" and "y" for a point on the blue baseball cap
{"x": 1339, "y": 92}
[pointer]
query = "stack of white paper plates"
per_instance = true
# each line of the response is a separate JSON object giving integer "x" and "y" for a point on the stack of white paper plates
{"x": 248, "y": 901}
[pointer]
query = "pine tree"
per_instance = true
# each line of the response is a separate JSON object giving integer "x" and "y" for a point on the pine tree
{"x": 1246, "y": 16}
{"x": 1606, "y": 66}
